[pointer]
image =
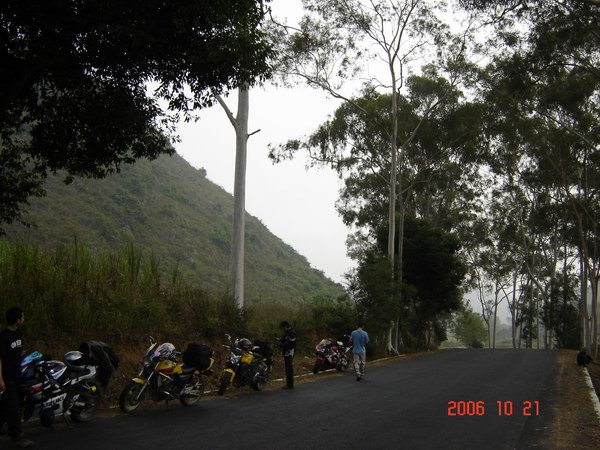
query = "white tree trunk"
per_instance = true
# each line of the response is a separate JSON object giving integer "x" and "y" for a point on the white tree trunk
{"x": 495, "y": 320}
{"x": 236, "y": 261}
{"x": 586, "y": 342}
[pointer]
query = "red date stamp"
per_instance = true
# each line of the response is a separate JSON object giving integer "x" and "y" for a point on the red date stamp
{"x": 462, "y": 408}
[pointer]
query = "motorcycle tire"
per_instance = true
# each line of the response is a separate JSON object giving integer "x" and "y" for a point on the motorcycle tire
{"x": 86, "y": 411}
{"x": 27, "y": 411}
{"x": 225, "y": 380}
{"x": 258, "y": 385}
{"x": 342, "y": 365}
{"x": 126, "y": 398}
{"x": 318, "y": 367}
{"x": 197, "y": 387}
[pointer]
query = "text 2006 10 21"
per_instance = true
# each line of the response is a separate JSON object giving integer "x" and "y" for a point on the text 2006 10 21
{"x": 463, "y": 408}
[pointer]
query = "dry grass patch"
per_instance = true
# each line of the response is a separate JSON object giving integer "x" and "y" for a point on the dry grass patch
{"x": 576, "y": 425}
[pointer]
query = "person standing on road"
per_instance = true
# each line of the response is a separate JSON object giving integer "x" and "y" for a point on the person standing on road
{"x": 11, "y": 350}
{"x": 358, "y": 340}
{"x": 288, "y": 345}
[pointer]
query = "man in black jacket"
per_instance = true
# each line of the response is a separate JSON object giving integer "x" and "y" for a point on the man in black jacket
{"x": 288, "y": 344}
{"x": 11, "y": 351}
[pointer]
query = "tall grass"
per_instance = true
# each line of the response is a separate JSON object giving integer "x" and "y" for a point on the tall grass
{"x": 74, "y": 293}
{"x": 113, "y": 296}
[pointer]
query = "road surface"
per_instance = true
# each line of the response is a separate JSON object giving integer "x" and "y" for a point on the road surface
{"x": 399, "y": 405}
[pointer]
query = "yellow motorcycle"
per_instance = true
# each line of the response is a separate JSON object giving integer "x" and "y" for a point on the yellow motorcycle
{"x": 247, "y": 365}
{"x": 168, "y": 375}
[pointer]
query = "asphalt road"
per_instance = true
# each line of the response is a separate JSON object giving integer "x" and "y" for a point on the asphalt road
{"x": 402, "y": 405}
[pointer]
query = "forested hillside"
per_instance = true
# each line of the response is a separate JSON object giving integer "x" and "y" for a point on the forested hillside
{"x": 168, "y": 208}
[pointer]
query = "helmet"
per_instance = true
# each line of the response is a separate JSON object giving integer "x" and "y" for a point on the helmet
{"x": 74, "y": 358}
{"x": 245, "y": 344}
{"x": 165, "y": 350}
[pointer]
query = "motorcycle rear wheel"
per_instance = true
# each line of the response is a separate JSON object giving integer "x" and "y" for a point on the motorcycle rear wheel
{"x": 126, "y": 402}
{"x": 86, "y": 411}
{"x": 225, "y": 380}
{"x": 195, "y": 388}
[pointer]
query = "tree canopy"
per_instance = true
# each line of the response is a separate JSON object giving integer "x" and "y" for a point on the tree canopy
{"x": 81, "y": 81}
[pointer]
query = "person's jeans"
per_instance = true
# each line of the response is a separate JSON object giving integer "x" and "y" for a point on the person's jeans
{"x": 360, "y": 360}
{"x": 289, "y": 370}
{"x": 10, "y": 409}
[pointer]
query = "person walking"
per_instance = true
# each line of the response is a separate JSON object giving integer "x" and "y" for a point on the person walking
{"x": 11, "y": 350}
{"x": 288, "y": 345}
{"x": 359, "y": 339}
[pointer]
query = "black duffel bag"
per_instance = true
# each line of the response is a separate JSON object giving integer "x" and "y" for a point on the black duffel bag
{"x": 197, "y": 355}
{"x": 99, "y": 354}
{"x": 264, "y": 348}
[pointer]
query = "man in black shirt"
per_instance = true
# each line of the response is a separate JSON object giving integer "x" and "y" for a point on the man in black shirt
{"x": 11, "y": 350}
{"x": 288, "y": 344}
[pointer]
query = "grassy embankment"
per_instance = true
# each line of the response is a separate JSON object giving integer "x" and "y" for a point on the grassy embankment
{"x": 120, "y": 297}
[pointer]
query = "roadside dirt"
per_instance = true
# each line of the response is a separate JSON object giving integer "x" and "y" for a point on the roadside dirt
{"x": 576, "y": 425}
{"x": 594, "y": 371}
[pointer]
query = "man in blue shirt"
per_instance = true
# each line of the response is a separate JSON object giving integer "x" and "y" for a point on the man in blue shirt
{"x": 359, "y": 339}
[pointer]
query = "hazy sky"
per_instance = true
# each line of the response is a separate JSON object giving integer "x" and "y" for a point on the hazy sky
{"x": 296, "y": 204}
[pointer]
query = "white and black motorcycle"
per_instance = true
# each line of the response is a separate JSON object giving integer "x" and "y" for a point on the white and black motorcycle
{"x": 56, "y": 388}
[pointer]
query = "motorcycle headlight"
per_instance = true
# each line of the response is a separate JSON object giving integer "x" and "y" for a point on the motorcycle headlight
{"x": 147, "y": 361}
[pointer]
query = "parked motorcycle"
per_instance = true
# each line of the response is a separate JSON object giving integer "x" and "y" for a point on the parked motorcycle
{"x": 330, "y": 354}
{"x": 247, "y": 365}
{"x": 168, "y": 375}
{"x": 54, "y": 388}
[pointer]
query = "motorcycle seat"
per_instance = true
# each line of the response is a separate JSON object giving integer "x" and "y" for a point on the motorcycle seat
{"x": 187, "y": 369}
{"x": 78, "y": 369}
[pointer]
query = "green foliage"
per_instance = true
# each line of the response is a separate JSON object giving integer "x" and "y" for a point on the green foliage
{"x": 313, "y": 319}
{"x": 74, "y": 81}
{"x": 372, "y": 291}
{"x": 433, "y": 269}
{"x": 334, "y": 317}
{"x": 439, "y": 152}
{"x": 470, "y": 329}
{"x": 560, "y": 313}
{"x": 171, "y": 209}
{"x": 527, "y": 322}
{"x": 431, "y": 285}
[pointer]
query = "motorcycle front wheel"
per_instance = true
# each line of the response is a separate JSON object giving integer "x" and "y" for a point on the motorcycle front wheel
{"x": 342, "y": 365}
{"x": 85, "y": 407}
{"x": 225, "y": 380}
{"x": 317, "y": 367}
{"x": 127, "y": 401}
{"x": 192, "y": 391}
